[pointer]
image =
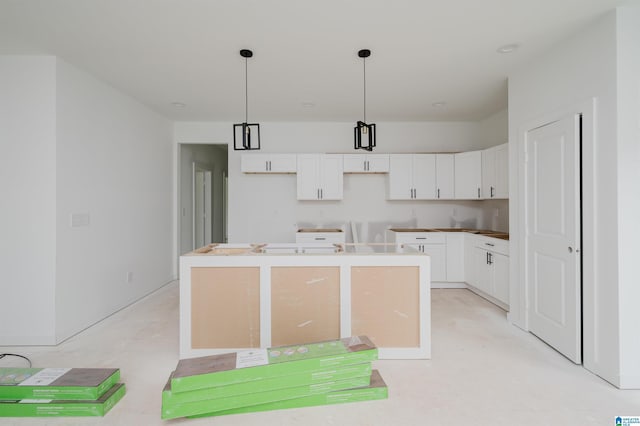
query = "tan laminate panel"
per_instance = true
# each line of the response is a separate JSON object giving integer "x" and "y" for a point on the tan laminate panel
{"x": 305, "y": 304}
{"x": 385, "y": 305}
{"x": 225, "y": 307}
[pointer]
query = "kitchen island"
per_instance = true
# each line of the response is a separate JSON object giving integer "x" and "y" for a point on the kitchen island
{"x": 241, "y": 296}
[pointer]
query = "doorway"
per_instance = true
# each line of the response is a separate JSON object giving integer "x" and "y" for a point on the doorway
{"x": 202, "y": 195}
{"x": 553, "y": 223}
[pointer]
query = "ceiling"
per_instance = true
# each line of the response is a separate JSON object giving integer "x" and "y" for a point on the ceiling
{"x": 305, "y": 65}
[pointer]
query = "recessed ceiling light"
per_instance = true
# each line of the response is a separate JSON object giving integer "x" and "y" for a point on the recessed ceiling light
{"x": 178, "y": 104}
{"x": 508, "y": 48}
{"x": 308, "y": 104}
{"x": 440, "y": 104}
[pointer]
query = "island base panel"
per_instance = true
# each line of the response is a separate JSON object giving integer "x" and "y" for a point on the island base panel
{"x": 305, "y": 304}
{"x": 385, "y": 305}
{"x": 225, "y": 307}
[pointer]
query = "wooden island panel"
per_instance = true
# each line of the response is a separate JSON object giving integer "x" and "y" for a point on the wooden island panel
{"x": 305, "y": 304}
{"x": 225, "y": 307}
{"x": 385, "y": 305}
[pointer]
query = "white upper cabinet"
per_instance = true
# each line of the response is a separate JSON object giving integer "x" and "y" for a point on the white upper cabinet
{"x": 366, "y": 163}
{"x": 268, "y": 163}
{"x": 495, "y": 172}
{"x": 468, "y": 175}
{"x": 444, "y": 176}
{"x": 412, "y": 177}
{"x": 319, "y": 177}
{"x": 502, "y": 171}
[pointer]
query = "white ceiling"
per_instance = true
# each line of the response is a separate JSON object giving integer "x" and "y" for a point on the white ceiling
{"x": 423, "y": 51}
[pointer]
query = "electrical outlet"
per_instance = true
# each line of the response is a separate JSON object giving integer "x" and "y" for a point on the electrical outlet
{"x": 129, "y": 277}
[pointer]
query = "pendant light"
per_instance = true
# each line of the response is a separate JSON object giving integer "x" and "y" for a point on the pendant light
{"x": 364, "y": 135}
{"x": 246, "y": 136}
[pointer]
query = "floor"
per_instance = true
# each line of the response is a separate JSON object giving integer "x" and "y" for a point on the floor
{"x": 483, "y": 371}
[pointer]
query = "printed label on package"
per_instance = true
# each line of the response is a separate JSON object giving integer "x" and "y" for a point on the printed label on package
{"x": 45, "y": 377}
{"x": 251, "y": 358}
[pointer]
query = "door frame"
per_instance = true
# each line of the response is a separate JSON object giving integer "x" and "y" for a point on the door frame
{"x": 518, "y": 274}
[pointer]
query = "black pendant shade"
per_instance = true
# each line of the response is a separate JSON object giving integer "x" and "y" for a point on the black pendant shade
{"x": 246, "y": 136}
{"x": 364, "y": 135}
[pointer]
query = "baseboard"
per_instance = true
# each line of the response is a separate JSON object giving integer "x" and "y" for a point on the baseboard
{"x": 442, "y": 284}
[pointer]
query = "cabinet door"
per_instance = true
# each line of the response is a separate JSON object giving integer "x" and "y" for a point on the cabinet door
{"x": 482, "y": 270}
{"x": 488, "y": 173}
{"x": 444, "y": 176}
{"x": 438, "y": 253}
{"x": 331, "y": 186}
{"x": 366, "y": 163}
{"x": 254, "y": 163}
{"x": 468, "y": 175}
{"x": 400, "y": 177}
{"x": 308, "y": 187}
{"x": 377, "y": 163}
{"x": 502, "y": 171}
{"x": 424, "y": 176}
{"x": 282, "y": 163}
{"x": 455, "y": 257}
{"x": 470, "y": 275}
{"x": 354, "y": 163}
{"x": 500, "y": 277}
{"x": 268, "y": 163}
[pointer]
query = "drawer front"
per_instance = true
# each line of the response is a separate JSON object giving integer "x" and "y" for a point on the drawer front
{"x": 320, "y": 237}
{"x": 495, "y": 245}
{"x": 421, "y": 237}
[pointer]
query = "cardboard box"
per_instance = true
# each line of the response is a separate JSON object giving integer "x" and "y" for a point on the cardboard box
{"x": 287, "y": 381}
{"x": 56, "y": 383}
{"x": 259, "y": 364}
{"x": 63, "y": 408}
{"x": 376, "y": 390}
{"x": 171, "y": 411}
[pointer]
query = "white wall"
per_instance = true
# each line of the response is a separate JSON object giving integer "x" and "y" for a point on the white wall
{"x": 114, "y": 163}
{"x": 27, "y": 201}
{"x": 628, "y": 196}
{"x": 72, "y": 144}
{"x": 572, "y": 74}
{"x": 494, "y": 130}
{"x": 264, "y": 207}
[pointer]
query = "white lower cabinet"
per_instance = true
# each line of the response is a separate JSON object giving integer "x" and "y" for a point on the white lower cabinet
{"x": 431, "y": 243}
{"x": 487, "y": 268}
{"x": 455, "y": 257}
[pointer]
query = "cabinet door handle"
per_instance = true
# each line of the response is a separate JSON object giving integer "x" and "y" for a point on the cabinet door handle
{"x": 489, "y": 244}
{"x": 478, "y": 192}
{"x": 490, "y": 258}
{"x": 421, "y": 238}
{"x": 318, "y": 193}
{"x": 492, "y": 190}
{"x": 487, "y": 256}
{"x": 320, "y": 238}
{"x": 321, "y": 194}
{"x": 438, "y": 192}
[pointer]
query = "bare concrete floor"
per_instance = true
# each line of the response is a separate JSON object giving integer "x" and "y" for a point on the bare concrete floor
{"x": 483, "y": 371}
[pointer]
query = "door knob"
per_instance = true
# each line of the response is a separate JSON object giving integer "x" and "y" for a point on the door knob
{"x": 570, "y": 249}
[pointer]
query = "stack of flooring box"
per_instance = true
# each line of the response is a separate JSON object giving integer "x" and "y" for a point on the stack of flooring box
{"x": 53, "y": 392}
{"x": 292, "y": 376}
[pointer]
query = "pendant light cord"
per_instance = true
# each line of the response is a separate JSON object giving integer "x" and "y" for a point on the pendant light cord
{"x": 364, "y": 80}
{"x": 246, "y": 92}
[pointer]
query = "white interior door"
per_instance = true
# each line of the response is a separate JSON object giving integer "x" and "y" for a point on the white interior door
{"x": 202, "y": 207}
{"x": 553, "y": 259}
